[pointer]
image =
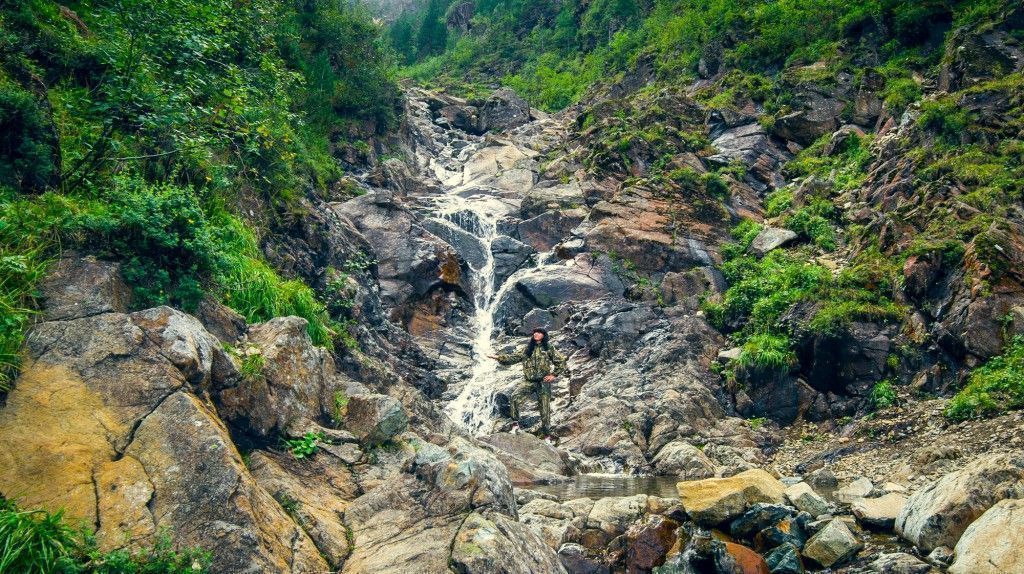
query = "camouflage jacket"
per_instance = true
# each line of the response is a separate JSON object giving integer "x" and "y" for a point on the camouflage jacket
{"x": 538, "y": 365}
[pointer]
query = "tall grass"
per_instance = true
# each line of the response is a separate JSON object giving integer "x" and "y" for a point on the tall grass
{"x": 40, "y": 542}
{"x": 252, "y": 288}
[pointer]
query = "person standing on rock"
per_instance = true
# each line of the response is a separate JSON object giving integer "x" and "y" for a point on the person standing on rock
{"x": 541, "y": 364}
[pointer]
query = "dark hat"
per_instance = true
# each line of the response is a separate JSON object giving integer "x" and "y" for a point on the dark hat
{"x": 539, "y": 330}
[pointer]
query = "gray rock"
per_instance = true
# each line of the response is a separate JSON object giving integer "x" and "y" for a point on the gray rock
{"x": 375, "y": 419}
{"x": 78, "y": 287}
{"x": 854, "y": 491}
{"x": 785, "y": 559}
{"x": 503, "y": 110}
{"x": 552, "y": 198}
{"x": 899, "y": 563}
{"x": 202, "y": 493}
{"x": 575, "y": 560}
{"x": 527, "y": 458}
{"x": 684, "y": 460}
{"x": 832, "y": 545}
{"x": 294, "y": 386}
{"x": 492, "y": 542}
{"x": 771, "y": 238}
{"x": 806, "y": 500}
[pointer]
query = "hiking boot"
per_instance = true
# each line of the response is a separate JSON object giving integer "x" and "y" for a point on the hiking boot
{"x": 550, "y": 440}
{"x": 514, "y": 429}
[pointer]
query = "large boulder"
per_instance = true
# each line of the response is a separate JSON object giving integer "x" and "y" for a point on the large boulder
{"x": 203, "y": 493}
{"x": 78, "y": 287}
{"x": 991, "y": 544}
{"x": 315, "y": 492}
{"x": 938, "y": 514}
{"x": 494, "y": 543}
{"x": 972, "y": 57}
{"x": 550, "y": 198}
{"x": 714, "y": 501}
{"x": 294, "y": 386}
{"x": 648, "y": 542}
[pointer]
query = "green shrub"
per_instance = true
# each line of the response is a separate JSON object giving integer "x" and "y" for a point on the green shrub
{"x": 994, "y": 388}
{"x": 767, "y": 351}
{"x": 26, "y": 142}
{"x": 883, "y": 395}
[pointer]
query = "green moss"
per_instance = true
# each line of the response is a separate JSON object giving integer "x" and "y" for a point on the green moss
{"x": 994, "y": 388}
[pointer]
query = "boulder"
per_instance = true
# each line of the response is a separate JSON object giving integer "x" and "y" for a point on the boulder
{"x": 555, "y": 523}
{"x": 375, "y": 419}
{"x": 771, "y": 238}
{"x": 854, "y": 491}
{"x": 294, "y": 386}
{"x": 315, "y": 492}
{"x": 785, "y": 559}
{"x": 879, "y": 513}
{"x": 759, "y": 517}
{"x": 203, "y": 493}
{"x": 610, "y": 517}
{"x": 552, "y": 198}
{"x": 714, "y": 501}
{"x": 546, "y": 230}
{"x": 575, "y": 560}
{"x": 816, "y": 114}
{"x": 582, "y": 279}
{"x": 509, "y": 256}
{"x": 684, "y": 460}
{"x": 529, "y": 460}
{"x": 804, "y": 498}
{"x": 939, "y": 513}
{"x": 832, "y": 545}
{"x": 78, "y": 287}
{"x": 503, "y": 110}
{"x": 494, "y": 543}
{"x": 899, "y": 563}
{"x": 462, "y": 117}
{"x": 688, "y": 288}
{"x": 972, "y": 57}
{"x": 991, "y": 544}
{"x": 648, "y": 542}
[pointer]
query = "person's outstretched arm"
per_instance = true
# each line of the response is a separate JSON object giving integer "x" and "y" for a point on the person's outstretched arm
{"x": 510, "y": 358}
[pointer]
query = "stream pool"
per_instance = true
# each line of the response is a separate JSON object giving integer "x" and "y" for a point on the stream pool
{"x": 603, "y": 485}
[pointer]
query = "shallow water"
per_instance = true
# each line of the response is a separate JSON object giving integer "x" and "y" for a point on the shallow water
{"x": 604, "y": 485}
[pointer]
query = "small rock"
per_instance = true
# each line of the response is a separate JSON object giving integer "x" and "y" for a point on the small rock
{"x": 833, "y": 545}
{"x": 822, "y": 479}
{"x": 899, "y": 563}
{"x": 855, "y": 490}
{"x": 942, "y": 556}
{"x": 804, "y": 498}
{"x": 785, "y": 559}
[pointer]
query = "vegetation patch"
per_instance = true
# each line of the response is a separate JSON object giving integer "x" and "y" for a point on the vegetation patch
{"x": 39, "y": 542}
{"x": 994, "y": 388}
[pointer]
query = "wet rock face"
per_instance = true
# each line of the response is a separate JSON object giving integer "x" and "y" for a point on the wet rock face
{"x": 375, "y": 419}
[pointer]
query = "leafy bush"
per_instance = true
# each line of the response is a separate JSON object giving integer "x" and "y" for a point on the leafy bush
{"x": 35, "y": 541}
{"x": 306, "y": 445}
{"x": 883, "y": 395}
{"x": 994, "y": 388}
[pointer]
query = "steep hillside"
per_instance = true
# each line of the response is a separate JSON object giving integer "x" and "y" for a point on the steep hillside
{"x": 256, "y": 288}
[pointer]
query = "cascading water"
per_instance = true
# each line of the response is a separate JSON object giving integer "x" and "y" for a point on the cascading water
{"x": 478, "y": 215}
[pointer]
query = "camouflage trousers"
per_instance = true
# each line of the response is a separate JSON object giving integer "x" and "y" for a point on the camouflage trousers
{"x": 539, "y": 389}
